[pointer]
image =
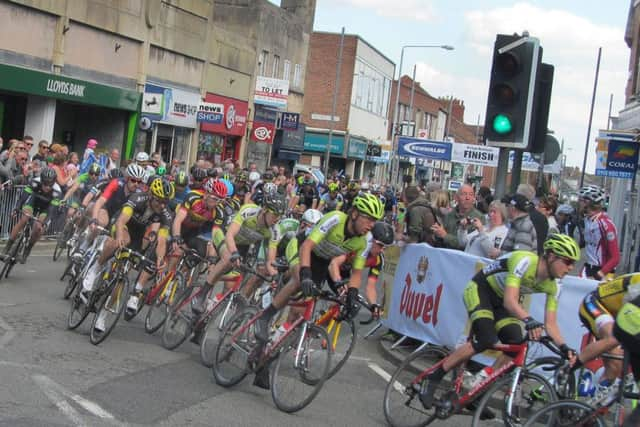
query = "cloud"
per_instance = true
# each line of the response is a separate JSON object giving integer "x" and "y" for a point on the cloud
{"x": 415, "y": 10}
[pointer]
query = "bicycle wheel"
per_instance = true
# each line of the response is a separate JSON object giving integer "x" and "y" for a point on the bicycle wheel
{"x": 11, "y": 256}
{"x": 78, "y": 310}
{"x": 230, "y": 364}
{"x": 60, "y": 245}
{"x": 301, "y": 369}
{"x": 179, "y": 323}
{"x": 159, "y": 307}
{"x": 402, "y": 405}
{"x": 532, "y": 392}
{"x": 111, "y": 306}
{"x": 71, "y": 286}
{"x": 342, "y": 336}
{"x": 218, "y": 319}
{"x": 565, "y": 413}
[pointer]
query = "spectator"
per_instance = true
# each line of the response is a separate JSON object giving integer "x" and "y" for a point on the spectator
{"x": 441, "y": 203}
{"x": 15, "y": 169}
{"x": 28, "y": 144}
{"x": 565, "y": 217}
{"x": 43, "y": 151}
{"x": 113, "y": 161}
{"x": 465, "y": 199}
{"x": 419, "y": 218}
{"x": 547, "y": 206}
{"x": 484, "y": 199}
{"x": 59, "y": 165}
{"x": 522, "y": 234}
{"x": 89, "y": 156}
{"x": 486, "y": 241}
{"x": 539, "y": 220}
{"x": 13, "y": 147}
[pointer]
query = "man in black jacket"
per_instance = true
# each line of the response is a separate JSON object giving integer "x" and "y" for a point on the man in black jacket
{"x": 540, "y": 222}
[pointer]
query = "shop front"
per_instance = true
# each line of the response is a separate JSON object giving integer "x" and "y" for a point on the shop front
{"x": 222, "y": 127}
{"x": 62, "y": 109}
{"x": 171, "y": 114}
{"x": 315, "y": 149}
{"x": 356, "y": 154}
{"x": 288, "y": 146}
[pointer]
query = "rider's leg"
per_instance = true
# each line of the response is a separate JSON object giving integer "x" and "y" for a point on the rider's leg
{"x": 216, "y": 272}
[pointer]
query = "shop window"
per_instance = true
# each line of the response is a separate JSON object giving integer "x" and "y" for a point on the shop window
{"x": 210, "y": 147}
{"x": 275, "y": 66}
{"x": 262, "y": 62}
{"x": 181, "y": 144}
{"x": 297, "y": 75}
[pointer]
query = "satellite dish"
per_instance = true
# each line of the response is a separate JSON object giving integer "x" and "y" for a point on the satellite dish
{"x": 145, "y": 123}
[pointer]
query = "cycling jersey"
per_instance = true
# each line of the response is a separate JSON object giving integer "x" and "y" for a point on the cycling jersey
{"x": 307, "y": 193}
{"x": 601, "y": 240}
{"x": 250, "y": 230}
{"x": 33, "y": 198}
{"x": 332, "y": 204}
{"x": 331, "y": 239}
{"x": 198, "y": 214}
{"x": 375, "y": 264}
{"x": 115, "y": 194}
{"x": 518, "y": 270}
{"x": 141, "y": 215}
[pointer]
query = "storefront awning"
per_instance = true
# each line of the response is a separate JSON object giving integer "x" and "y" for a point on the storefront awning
{"x": 32, "y": 82}
{"x": 288, "y": 155}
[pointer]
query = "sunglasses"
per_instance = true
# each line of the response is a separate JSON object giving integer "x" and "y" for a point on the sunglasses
{"x": 135, "y": 181}
{"x": 159, "y": 201}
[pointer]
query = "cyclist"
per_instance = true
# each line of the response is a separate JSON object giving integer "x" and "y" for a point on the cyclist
{"x": 336, "y": 234}
{"x": 382, "y": 234}
{"x": 492, "y": 302}
{"x": 332, "y": 200}
{"x": 307, "y": 193}
{"x": 84, "y": 182}
{"x": 198, "y": 175}
{"x": 251, "y": 225}
{"x": 195, "y": 216}
{"x": 600, "y": 234}
{"x": 597, "y": 313}
{"x": 181, "y": 182}
{"x": 35, "y": 201}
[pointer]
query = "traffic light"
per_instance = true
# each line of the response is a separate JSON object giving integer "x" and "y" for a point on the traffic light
{"x": 510, "y": 103}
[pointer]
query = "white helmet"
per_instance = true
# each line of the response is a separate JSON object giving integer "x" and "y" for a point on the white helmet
{"x": 565, "y": 209}
{"x": 592, "y": 193}
{"x": 312, "y": 216}
{"x": 270, "y": 188}
{"x": 364, "y": 186}
{"x": 142, "y": 157}
{"x": 254, "y": 176}
{"x": 136, "y": 171}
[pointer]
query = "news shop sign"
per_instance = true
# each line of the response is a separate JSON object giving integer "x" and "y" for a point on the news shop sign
{"x": 209, "y": 112}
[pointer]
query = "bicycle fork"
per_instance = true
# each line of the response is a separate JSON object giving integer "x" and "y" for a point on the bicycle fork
{"x": 512, "y": 390}
{"x": 303, "y": 332}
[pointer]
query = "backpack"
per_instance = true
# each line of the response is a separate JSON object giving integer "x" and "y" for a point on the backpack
{"x": 426, "y": 235}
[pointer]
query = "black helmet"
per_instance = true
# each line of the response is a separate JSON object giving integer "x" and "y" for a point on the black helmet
{"x": 267, "y": 176}
{"x": 48, "y": 176}
{"x": 382, "y": 232}
{"x": 276, "y": 203}
{"x": 212, "y": 173}
{"x": 94, "y": 169}
{"x": 115, "y": 173}
{"x": 199, "y": 174}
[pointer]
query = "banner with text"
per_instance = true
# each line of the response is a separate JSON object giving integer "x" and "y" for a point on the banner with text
{"x": 616, "y": 157}
{"x": 426, "y": 300}
{"x": 475, "y": 154}
{"x": 271, "y": 92}
{"x": 424, "y": 148}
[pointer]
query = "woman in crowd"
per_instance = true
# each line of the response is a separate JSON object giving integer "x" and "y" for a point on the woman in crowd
{"x": 441, "y": 204}
{"x": 485, "y": 241}
{"x": 547, "y": 206}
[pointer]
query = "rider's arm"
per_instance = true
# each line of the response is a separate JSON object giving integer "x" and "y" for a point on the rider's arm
{"x": 161, "y": 246}
{"x": 177, "y": 222}
{"x": 122, "y": 221}
{"x": 271, "y": 258}
{"x": 87, "y": 199}
{"x": 305, "y": 252}
{"x": 551, "y": 325}
{"x": 611, "y": 248}
{"x": 72, "y": 190}
{"x": 511, "y": 303}
{"x": 334, "y": 267}
{"x": 230, "y": 238}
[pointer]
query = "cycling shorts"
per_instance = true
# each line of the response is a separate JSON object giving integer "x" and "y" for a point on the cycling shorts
{"x": 593, "y": 314}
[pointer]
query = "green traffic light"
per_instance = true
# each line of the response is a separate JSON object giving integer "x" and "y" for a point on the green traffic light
{"x": 502, "y": 124}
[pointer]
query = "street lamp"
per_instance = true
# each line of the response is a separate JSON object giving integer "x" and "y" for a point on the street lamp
{"x": 395, "y": 161}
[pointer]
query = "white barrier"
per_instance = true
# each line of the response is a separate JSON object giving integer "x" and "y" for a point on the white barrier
{"x": 426, "y": 300}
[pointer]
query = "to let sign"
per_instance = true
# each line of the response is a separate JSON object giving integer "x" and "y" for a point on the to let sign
{"x": 271, "y": 92}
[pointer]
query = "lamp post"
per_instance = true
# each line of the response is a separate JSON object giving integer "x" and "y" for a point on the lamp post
{"x": 395, "y": 161}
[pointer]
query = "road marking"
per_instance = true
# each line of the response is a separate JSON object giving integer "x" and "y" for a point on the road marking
{"x": 50, "y": 387}
{"x": 20, "y": 365}
{"x": 8, "y": 335}
{"x": 385, "y": 376}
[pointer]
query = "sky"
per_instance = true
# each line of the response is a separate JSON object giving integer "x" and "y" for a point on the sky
{"x": 570, "y": 32}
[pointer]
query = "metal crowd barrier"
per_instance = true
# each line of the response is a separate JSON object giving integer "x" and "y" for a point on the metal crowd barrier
{"x": 9, "y": 198}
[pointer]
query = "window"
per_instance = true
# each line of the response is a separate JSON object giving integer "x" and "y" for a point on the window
{"x": 297, "y": 75}
{"x": 286, "y": 70}
{"x": 372, "y": 89}
{"x": 262, "y": 62}
{"x": 275, "y": 66}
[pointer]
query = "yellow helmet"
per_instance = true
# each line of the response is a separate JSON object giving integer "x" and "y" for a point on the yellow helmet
{"x": 162, "y": 189}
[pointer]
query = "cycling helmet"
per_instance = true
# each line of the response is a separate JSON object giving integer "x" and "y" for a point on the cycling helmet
{"x": 563, "y": 246}
{"x": 382, "y": 232}
{"x": 115, "y": 173}
{"x": 333, "y": 187}
{"x": 182, "y": 179}
{"x": 48, "y": 176}
{"x": 161, "y": 171}
{"x": 136, "y": 171}
{"x": 199, "y": 174}
{"x": 161, "y": 188}
{"x": 212, "y": 173}
{"x": 142, "y": 157}
{"x": 94, "y": 169}
{"x": 370, "y": 205}
{"x": 592, "y": 193}
{"x": 307, "y": 181}
{"x": 267, "y": 176}
{"x": 276, "y": 203}
{"x": 375, "y": 188}
{"x": 312, "y": 216}
{"x": 229, "y": 186}
{"x": 270, "y": 188}
{"x": 239, "y": 190}
{"x": 241, "y": 176}
{"x": 364, "y": 186}
{"x": 254, "y": 176}
{"x": 565, "y": 209}
{"x": 215, "y": 187}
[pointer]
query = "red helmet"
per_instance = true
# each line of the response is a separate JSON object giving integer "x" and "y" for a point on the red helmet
{"x": 215, "y": 187}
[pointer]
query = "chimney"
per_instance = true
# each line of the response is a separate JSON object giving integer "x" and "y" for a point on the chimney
{"x": 305, "y": 10}
{"x": 457, "y": 110}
